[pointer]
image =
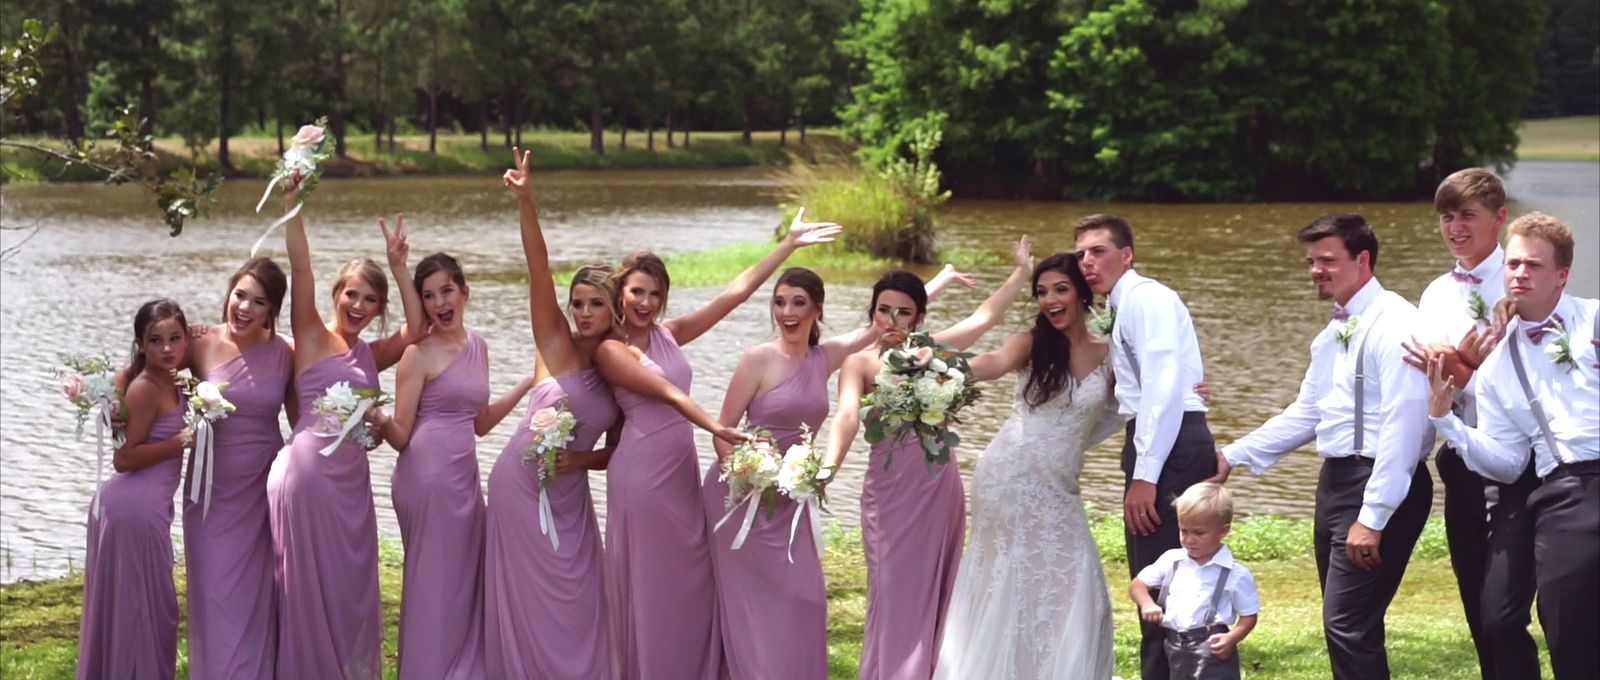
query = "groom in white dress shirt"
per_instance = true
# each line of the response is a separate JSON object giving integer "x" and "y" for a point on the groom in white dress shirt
{"x": 1366, "y": 410}
{"x": 1539, "y": 389}
{"x": 1167, "y": 446}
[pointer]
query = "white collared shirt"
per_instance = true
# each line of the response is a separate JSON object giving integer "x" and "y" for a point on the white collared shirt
{"x": 1447, "y": 315}
{"x": 1395, "y": 404}
{"x": 1189, "y": 586}
{"x": 1155, "y": 385}
{"x": 1570, "y": 397}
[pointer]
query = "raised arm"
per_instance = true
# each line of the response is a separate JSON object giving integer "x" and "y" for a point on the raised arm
{"x": 801, "y": 234}
{"x": 551, "y": 335}
{"x": 311, "y": 337}
{"x": 967, "y": 331}
{"x": 841, "y": 346}
{"x": 388, "y": 350}
{"x": 1011, "y": 356}
{"x": 137, "y": 453}
{"x": 847, "y": 419}
{"x": 946, "y": 276}
{"x": 495, "y": 411}
{"x": 619, "y": 367}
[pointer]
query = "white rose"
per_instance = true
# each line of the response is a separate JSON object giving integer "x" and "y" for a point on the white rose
{"x": 937, "y": 366}
{"x": 209, "y": 393}
{"x": 1553, "y": 350}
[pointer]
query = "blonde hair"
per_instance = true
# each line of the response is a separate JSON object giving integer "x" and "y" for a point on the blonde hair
{"x": 649, "y": 264}
{"x": 1472, "y": 184}
{"x": 1548, "y": 229}
{"x": 601, "y": 278}
{"x": 1206, "y": 500}
{"x": 370, "y": 272}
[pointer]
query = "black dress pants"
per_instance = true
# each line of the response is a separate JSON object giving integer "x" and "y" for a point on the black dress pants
{"x": 1193, "y": 460}
{"x": 1566, "y": 511}
{"x": 1354, "y": 600}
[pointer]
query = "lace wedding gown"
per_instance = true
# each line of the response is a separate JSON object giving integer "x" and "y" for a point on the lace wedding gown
{"x": 1030, "y": 596}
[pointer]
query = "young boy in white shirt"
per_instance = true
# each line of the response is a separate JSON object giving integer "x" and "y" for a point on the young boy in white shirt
{"x": 1201, "y": 587}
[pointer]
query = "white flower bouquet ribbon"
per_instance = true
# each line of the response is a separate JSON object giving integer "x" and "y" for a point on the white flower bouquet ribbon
{"x": 812, "y": 508}
{"x": 547, "y": 517}
{"x": 300, "y": 163}
{"x": 346, "y": 425}
{"x": 102, "y": 423}
{"x": 202, "y": 465}
{"x": 751, "y": 503}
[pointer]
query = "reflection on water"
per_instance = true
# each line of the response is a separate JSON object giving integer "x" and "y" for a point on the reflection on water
{"x": 99, "y": 253}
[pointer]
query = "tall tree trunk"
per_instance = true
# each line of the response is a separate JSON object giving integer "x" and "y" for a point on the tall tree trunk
{"x": 390, "y": 125}
{"x": 225, "y": 100}
{"x": 69, "y": 66}
{"x": 597, "y": 130}
{"x": 377, "y": 118}
{"x": 506, "y": 109}
{"x": 147, "y": 88}
{"x": 261, "y": 118}
{"x": 747, "y": 137}
{"x": 519, "y": 131}
{"x": 433, "y": 119}
{"x": 483, "y": 124}
{"x": 670, "y": 143}
{"x": 650, "y": 136}
{"x": 783, "y": 135}
{"x": 686, "y": 128}
{"x": 336, "y": 117}
{"x": 801, "y": 120}
{"x": 622, "y": 141}
{"x": 280, "y": 133}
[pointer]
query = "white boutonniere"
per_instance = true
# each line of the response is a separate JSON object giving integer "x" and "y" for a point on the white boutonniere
{"x": 1477, "y": 307}
{"x": 1102, "y": 320}
{"x": 1560, "y": 348}
{"x": 1347, "y": 331}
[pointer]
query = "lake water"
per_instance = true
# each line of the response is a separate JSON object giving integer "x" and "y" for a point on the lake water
{"x": 100, "y": 252}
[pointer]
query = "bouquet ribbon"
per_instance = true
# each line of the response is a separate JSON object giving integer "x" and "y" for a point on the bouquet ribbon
{"x": 547, "y": 518}
{"x": 101, "y": 424}
{"x": 752, "y": 502}
{"x": 810, "y": 507}
{"x": 202, "y": 465}
{"x": 349, "y": 424}
{"x": 281, "y": 221}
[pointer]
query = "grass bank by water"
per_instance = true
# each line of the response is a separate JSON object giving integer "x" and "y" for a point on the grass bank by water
{"x": 1576, "y": 138}
{"x": 254, "y": 155}
{"x": 1427, "y": 636}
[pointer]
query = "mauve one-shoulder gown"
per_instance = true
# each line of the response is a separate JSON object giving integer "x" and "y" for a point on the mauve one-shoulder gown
{"x": 545, "y": 608}
{"x": 130, "y": 605}
{"x": 325, "y": 534}
{"x": 228, "y": 550}
{"x": 440, "y": 509}
{"x": 774, "y": 614}
{"x": 658, "y": 561}
{"x": 913, "y": 523}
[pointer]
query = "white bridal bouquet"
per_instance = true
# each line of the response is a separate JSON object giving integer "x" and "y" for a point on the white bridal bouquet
{"x": 207, "y": 406}
{"x": 552, "y": 429}
{"x": 342, "y": 408}
{"x": 751, "y": 473}
{"x": 90, "y": 384}
{"x": 802, "y": 476}
{"x": 921, "y": 388}
{"x": 300, "y": 166}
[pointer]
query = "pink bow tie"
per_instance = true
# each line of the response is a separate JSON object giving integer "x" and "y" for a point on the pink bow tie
{"x": 1340, "y": 313}
{"x": 1536, "y": 333}
{"x": 1465, "y": 277}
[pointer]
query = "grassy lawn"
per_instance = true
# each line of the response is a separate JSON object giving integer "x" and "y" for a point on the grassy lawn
{"x": 254, "y": 154}
{"x": 1567, "y": 139}
{"x": 1427, "y": 636}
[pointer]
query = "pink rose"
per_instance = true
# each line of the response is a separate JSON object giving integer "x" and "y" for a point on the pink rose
{"x": 543, "y": 419}
{"x": 309, "y": 135}
{"x": 921, "y": 356}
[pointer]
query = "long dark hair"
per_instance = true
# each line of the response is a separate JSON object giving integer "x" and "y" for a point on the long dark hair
{"x": 1050, "y": 364}
{"x": 148, "y": 315}
{"x": 811, "y": 283}
{"x": 272, "y": 280}
{"x": 904, "y": 282}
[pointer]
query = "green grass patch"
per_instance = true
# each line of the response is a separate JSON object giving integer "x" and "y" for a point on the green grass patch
{"x": 1427, "y": 636}
{"x": 1576, "y": 138}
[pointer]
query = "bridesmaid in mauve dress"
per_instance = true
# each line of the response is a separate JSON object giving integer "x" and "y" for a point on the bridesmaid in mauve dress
{"x": 912, "y": 519}
{"x": 772, "y": 604}
{"x": 544, "y": 600}
{"x": 130, "y": 605}
{"x": 324, "y": 527}
{"x": 227, "y": 540}
{"x": 658, "y": 564}
{"x": 441, "y": 407}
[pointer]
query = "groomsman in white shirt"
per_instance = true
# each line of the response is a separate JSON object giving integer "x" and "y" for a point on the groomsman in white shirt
{"x": 1367, "y": 412}
{"x": 1487, "y": 523}
{"x": 1156, "y": 357}
{"x": 1539, "y": 389}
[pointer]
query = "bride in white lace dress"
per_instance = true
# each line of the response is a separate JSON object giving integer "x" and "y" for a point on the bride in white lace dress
{"x": 1030, "y": 596}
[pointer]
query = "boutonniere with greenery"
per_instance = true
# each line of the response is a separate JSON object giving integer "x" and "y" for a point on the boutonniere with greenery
{"x": 1347, "y": 331}
{"x": 1560, "y": 348}
{"x": 1102, "y": 320}
{"x": 1477, "y": 307}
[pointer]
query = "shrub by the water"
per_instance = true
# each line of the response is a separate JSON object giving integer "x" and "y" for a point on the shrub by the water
{"x": 886, "y": 211}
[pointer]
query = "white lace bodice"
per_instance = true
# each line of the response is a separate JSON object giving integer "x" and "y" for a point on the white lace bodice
{"x": 1046, "y": 444}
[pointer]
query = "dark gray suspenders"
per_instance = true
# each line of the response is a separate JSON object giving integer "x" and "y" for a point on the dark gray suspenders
{"x": 1216, "y": 593}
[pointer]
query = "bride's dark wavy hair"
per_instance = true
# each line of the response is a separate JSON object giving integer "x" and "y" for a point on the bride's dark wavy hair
{"x": 1050, "y": 365}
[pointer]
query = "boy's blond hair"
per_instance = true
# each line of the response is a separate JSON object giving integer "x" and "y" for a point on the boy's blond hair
{"x": 1472, "y": 184}
{"x": 1548, "y": 229}
{"x": 1206, "y": 500}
